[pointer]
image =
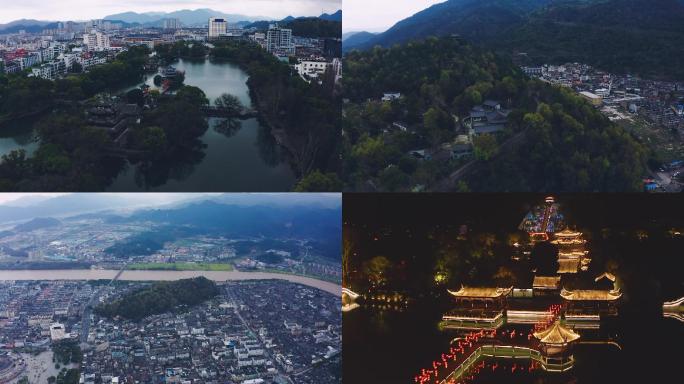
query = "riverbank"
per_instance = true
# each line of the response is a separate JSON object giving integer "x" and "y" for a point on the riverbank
{"x": 218, "y": 276}
{"x": 180, "y": 267}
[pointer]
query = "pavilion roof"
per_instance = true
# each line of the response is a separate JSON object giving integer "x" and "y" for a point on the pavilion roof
{"x": 546, "y": 282}
{"x": 591, "y": 295}
{"x": 556, "y": 334}
{"x": 481, "y": 292}
{"x": 568, "y": 233}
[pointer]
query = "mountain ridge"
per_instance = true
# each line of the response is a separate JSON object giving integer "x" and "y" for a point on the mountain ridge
{"x": 617, "y": 35}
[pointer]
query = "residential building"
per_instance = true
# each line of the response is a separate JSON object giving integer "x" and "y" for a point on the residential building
{"x": 217, "y": 27}
{"x": 96, "y": 41}
{"x": 171, "y": 24}
{"x": 279, "y": 40}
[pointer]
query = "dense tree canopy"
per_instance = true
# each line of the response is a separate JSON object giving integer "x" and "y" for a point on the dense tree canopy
{"x": 567, "y": 146}
{"x": 159, "y": 298}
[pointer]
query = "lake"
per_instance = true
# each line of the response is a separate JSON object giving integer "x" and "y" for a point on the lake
{"x": 241, "y": 156}
{"x": 246, "y": 160}
{"x": 392, "y": 347}
{"x": 101, "y": 274}
{"x": 19, "y": 134}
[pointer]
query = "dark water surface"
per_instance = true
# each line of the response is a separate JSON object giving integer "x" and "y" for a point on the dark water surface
{"x": 392, "y": 347}
{"x": 240, "y": 158}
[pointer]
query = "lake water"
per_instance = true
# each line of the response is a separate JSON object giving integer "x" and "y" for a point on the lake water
{"x": 246, "y": 160}
{"x": 242, "y": 157}
{"x": 392, "y": 347}
{"x": 17, "y": 135}
{"x": 101, "y": 274}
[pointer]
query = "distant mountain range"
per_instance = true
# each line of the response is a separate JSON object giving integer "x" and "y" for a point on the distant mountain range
{"x": 37, "y": 223}
{"x": 358, "y": 38}
{"x": 264, "y": 23}
{"x": 201, "y": 16}
{"x": 197, "y": 17}
{"x": 32, "y": 207}
{"x": 186, "y": 16}
{"x": 30, "y": 26}
{"x": 642, "y": 36}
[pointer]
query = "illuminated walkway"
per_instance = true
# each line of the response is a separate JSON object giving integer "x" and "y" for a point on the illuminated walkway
{"x": 502, "y": 351}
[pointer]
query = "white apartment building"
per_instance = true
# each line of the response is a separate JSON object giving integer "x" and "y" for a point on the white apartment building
{"x": 217, "y": 27}
{"x": 279, "y": 40}
{"x": 49, "y": 71}
{"x": 96, "y": 41}
{"x": 311, "y": 69}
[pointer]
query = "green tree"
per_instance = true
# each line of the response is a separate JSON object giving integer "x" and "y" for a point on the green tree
{"x": 377, "y": 270}
{"x": 135, "y": 96}
{"x": 317, "y": 181}
{"x": 230, "y": 103}
{"x": 192, "y": 95}
{"x": 485, "y": 147}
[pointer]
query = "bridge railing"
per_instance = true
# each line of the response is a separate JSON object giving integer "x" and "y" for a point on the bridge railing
{"x": 508, "y": 352}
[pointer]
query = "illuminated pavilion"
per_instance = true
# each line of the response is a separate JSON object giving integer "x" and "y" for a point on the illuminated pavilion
{"x": 572, "y": 253}
{"x": 591, "y": 303}
{"x": 478, "y": 307}
{"x": 556, "y": 344}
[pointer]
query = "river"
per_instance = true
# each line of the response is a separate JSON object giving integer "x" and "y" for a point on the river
{"x": 102, "y": 274}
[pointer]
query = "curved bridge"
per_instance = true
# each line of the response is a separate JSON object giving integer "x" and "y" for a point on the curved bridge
{"x": 674, "y": 309}
{"x": 507, "y": 352}
{"x": 349, "y": 300}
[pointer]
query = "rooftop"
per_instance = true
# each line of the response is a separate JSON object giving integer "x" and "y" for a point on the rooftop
{"x": 556, "y": 334}
{"x": 590, "y": 295}
{"x": 481, "y": 292}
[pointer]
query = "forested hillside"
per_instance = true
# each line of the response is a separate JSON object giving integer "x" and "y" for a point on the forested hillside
{"x": 567, "y": 145}
{"x": 636, "y": 36}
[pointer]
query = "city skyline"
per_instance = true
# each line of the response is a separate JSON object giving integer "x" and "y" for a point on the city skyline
{"x": 72, "y": 10}
{"x": 383, "y": 14}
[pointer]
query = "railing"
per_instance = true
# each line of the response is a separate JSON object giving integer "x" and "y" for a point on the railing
{"x": 508, "y": 352}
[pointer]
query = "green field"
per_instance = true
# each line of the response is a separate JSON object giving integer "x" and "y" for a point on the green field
{"x": 180, "y": 267}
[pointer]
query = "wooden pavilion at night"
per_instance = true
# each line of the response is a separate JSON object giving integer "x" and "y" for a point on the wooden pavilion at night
{"x": 590, "y": 303}
{"x": 478, "y": 307}
{"x": 556, "y": 345}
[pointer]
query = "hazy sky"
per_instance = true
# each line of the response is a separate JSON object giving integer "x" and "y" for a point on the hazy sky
{"x": 379, "y": 15}
{"x": 160, "y": 198}
{"x": 144, "y": 199}
{"x": 62, "y": 10}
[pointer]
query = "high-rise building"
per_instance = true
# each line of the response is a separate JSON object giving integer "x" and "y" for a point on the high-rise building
{"x": 172, "y": 24}
{"x": 217, "y": 27}
{"x": 279, "y": 40}
{"x": 96, "y": 41}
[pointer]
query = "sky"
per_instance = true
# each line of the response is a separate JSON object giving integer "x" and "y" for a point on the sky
{"x": 160, "y": 198}
{"x": 379, "y": 15}
{"x": 151, "y": 199}
{"x": 64, "y": 10}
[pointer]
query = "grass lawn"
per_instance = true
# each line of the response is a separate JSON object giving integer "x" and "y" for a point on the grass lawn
{"x": 180, "y": 267}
